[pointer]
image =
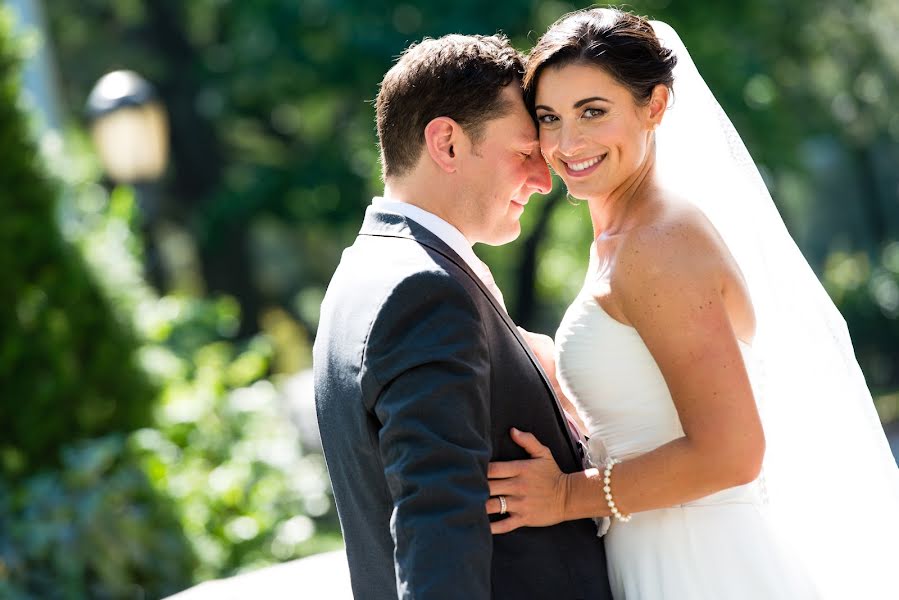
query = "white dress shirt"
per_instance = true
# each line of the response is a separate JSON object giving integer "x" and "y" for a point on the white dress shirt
{"x": 448, "y": 234}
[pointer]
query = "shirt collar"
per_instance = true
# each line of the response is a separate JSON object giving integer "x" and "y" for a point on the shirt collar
{"x": 447, "y": 233}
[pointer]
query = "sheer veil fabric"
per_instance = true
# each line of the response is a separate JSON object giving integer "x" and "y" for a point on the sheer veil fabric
{"x": 832, "y": 482}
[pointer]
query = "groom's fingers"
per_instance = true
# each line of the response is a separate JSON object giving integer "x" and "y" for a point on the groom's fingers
{"x": 530, "y": 443}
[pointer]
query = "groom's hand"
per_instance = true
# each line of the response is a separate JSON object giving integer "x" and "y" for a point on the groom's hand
{"x": 535, "y": 489}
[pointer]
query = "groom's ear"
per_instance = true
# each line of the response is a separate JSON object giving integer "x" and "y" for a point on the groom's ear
{"x": 658, "y": 102}
{"x": 443, "y": 136}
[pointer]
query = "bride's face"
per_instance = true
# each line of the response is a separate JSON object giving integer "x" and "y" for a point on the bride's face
{"x": 593, "y": 132}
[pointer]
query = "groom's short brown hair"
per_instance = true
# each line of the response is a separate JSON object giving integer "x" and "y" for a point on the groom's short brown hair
{"x": 455, "y": 76}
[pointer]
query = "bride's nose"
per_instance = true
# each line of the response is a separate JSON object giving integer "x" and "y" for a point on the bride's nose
{"x": 571, "y": 139}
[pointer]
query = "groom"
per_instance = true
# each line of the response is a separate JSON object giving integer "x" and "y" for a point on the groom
{"x": 419, "y": 371}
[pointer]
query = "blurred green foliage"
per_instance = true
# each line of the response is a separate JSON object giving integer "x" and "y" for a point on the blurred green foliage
{"x": 210, "y": 480}
{"x": 96, "y": 528}
{"x": 67, "y": 363}
{"x": 867, "y": 293}
{"x": 217, "y": 484}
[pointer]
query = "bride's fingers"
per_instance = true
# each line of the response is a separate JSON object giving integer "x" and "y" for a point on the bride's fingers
{"x": 503, "y": 487}
{"x": 506, "y": 525}
{"x": 503, "y": 470}
{"x": 530, "y": 443}
{"x": 494, "y": 506}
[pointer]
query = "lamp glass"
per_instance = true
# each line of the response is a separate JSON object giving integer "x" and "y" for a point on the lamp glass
{"x": 133, "y": 142}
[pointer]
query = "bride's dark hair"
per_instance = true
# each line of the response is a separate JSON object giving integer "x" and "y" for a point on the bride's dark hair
{"x": 622, "y": 44}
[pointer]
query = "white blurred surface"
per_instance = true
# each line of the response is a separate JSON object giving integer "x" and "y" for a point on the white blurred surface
{"x": 323, "y": 576}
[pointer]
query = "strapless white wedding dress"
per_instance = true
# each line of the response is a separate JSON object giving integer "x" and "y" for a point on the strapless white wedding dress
{"x": 720, "y": 547}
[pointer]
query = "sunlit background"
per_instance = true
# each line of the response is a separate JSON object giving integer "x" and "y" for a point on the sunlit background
{"x": 178, "y": 180}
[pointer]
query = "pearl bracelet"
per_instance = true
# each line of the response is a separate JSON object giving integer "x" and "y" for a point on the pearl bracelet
{"x": 607, "y": 488}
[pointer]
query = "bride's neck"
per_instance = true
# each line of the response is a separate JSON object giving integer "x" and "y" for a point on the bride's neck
{"x": 616, "y": 212}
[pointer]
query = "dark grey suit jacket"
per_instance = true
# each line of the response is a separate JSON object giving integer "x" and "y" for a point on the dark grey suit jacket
{"x": 419, "y": 375}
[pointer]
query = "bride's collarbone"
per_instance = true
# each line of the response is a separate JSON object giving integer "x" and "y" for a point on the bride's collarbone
{"x": 599, "y": 277}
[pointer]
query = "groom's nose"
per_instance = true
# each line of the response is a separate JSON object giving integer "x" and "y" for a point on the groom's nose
{"x": 538, "y": 177}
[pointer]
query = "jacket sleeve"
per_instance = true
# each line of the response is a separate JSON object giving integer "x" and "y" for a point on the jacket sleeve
{"x": 428, "y": 354}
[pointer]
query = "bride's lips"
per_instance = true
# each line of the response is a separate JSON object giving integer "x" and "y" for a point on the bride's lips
{"x": 592, "y": 164}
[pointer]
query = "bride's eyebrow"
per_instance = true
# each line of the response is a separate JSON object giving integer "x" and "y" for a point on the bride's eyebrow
{"x": 580, "y": 103}
{"x": 577, "y": 104}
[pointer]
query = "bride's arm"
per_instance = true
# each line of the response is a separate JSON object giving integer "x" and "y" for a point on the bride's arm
{"x": 671, "y": 286}
{"x": 544, "y": 349}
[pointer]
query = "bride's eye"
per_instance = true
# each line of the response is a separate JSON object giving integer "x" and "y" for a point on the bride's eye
{"x": 591, "y": 113}
{"x": 546, "y": 119}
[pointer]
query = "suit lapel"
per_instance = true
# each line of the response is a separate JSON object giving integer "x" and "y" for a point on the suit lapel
{"x": 384, "y": 224}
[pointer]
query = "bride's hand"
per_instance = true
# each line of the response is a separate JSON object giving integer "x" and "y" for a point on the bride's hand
{"x": 544, "y": 350}
{"x": 535, "y": 489}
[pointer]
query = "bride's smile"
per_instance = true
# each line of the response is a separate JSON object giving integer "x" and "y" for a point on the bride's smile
{"x": 582, "y": 168}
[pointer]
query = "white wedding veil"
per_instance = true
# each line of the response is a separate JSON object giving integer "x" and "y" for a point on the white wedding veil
{"x": 832, "y": 482}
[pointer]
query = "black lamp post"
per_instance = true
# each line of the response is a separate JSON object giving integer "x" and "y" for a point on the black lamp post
{"x": 130, "y": 130}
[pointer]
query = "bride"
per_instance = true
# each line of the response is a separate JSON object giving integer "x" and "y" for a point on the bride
{"x": 737, "y": 451}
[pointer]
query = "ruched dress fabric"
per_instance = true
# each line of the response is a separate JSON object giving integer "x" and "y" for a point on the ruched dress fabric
{"x": 719, "y": 547}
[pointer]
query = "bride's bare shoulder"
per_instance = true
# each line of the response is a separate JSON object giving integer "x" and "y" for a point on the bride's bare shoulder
{"x": 677, "y": 246}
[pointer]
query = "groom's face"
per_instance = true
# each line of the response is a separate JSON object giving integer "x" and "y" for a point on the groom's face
{"x": 502, "y": 171}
